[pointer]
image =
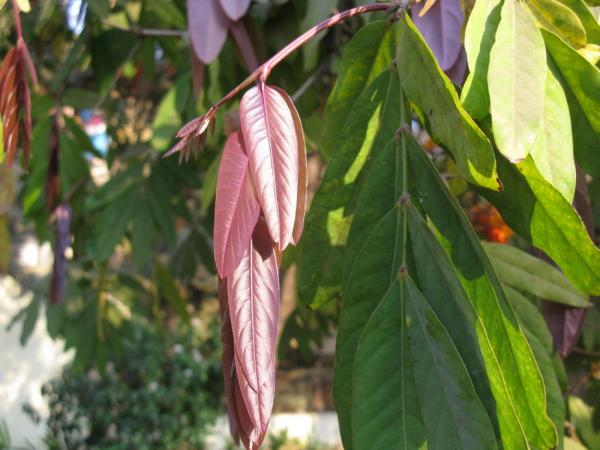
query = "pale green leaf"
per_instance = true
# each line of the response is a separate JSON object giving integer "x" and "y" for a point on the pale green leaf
{"x": 552, "y": 150}
{"x": 590, "y": 23}
{"x": 558, "y": 18}
{"x": 516, "y": 80}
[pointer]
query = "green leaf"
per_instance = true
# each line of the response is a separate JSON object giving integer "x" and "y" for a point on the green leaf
{"x": 427, "y": 86}
{"x": 169, "y": 291}
{"x": 316, "y": 11}
{"x": 209, "y": 185}
{"x": 369, "y": 53}
{"x": 112, "y": 224}
{"x": 581, "y": 415}
{"x": 541, "y": 215}
{"x": 31, "y": 312}
{"x": 110, "y": 50}
{"x": 526, "y": 273}
{"x": 386, "y": 410}
{"x": 101, "y": 8}
{"x": 372, "y": 123}
{"x": 80, "y": 98}
{"x": 167, "y": 13}
{"x": 516, "y": 80}
{"x": 583, "y": 79}
{"x": 374, "y": 270}
{"x": 590, "y": 23}
{"x": 479, "y": 38}
{"x": 558, "y": 18}
{"x": 141, "y": 234}
{"x": 441, "y": 288}
{"x": 167, "y": 120}
{"x": 552, "y": 150}
{"x": 513, "y": 374}
{"x": 453, "y": 414}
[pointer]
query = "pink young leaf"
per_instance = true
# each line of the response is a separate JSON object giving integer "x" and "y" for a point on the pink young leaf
{"x": 235, "y": 9}
{"x": 207, "y": 27}
{"x": 244, "y": 44}
{"x": 302, "y": 168}
{"x": 270, "y": 136}
{"x": 227, "y": 362}
{"x": 236, "y": 206}
{"x": 253, "y": 290}
{"x": 441, "y": 28}
{"x": 250, "y": 435}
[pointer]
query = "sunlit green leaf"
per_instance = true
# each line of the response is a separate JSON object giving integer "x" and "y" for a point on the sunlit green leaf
{"x": 516, "y": 81}
{"x": 590, "y": 23}
{"x": 558, "y": 18}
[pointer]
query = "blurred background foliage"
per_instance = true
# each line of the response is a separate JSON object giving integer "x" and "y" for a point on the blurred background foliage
{"x": 139, "y": 306}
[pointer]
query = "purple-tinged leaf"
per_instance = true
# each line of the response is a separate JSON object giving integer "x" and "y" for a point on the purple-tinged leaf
{"x": 197, "y": 73}
{"x": 302, "y": 169}
{"x": 458, "y": 72}
{"x": 235, "y": 9}
{"x": 207, "y": 27}
{"x": 565, "y": 324}
{"x": 236, "y": 206}
{"x": 250, "y": 435}
{"x": 227, "y": 362}
{"x": 244, "y": 44}
{"x": 270, "y": 137}
{"x": 52, "y": 191}
{"x": 441, "y": 28}
{"x": 253, "y": 290}
{"x": 63, "y": 240}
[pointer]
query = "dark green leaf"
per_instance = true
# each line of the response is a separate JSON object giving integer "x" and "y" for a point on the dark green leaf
{"x": 372, "y": 122}
{"x": 427, "y": 86}
{"x": 369, "y": 53}
{"x": 169, "y": 291}
{"x": 112, "y": 224}
{"x": 531, "y": 275}
{"x": 141, "y": 234}
{"x": 386, "y": 411}
{"x": 514, "y": 377}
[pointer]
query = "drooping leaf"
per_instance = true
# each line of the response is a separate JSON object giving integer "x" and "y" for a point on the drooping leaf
{"x": 316, "y": 11}
{"x": 511, "y": 369}
{"x": 269, "y": 133}
{"x": 235, "y": 9}
{"x": 253, "y": 291}
{"x": 375, "y": 269}
{"x": 426, "y": 85}
{"x": 441, "y": 29}
{"x": 552, "y": 149}
{"x": 516, "y": 80}
{"x": 236, "y": 206}
{"x": 544, "y": 218}
{"x": 453, "y": 414}
{"x": 558, "y": 18}
{"x": 479, "y": 37}
{"x": 368, "y": 54}
{"x": 371, "y": 124}
{"x": 386, "y": 410}
{"x": 583, "y": 79}
{"x": 531, "y": 275}
{"x": 207, "y": 26}
{"x": 302, "y": 169}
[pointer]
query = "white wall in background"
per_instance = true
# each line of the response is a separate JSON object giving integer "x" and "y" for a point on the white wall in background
{"x": 23, "y": 370}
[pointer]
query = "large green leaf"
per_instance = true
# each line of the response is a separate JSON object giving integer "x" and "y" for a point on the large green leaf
{"x": 558, "y": 18}
{"x": 516, "y": 80}
{"x": 112, "y": 224}
{"x": 372, "y": 123}
{"x": 541, "y": 215}
{"x": 552, "y": 150}
{"x": 531, "y": 275}
{"x": 442, "y": 290}
{"x": 375, "y": 268}
{"x": 479, "y": 38}
{"x": 368, "y": 54}
{"x": 583, "y": 79}
{"x": 589, "y": 22}
{"x": 386, "y": 410}
{"x": 514, "y": 377}
{"x": 426, "y": 85}
{"x": 453, "y": 414}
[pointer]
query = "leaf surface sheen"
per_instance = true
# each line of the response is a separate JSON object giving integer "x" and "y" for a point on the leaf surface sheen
{"x": 269, "y": 133}
{"x": 253, "y": 291}
{"x": 207, "y": 26}
{"x": 516, "y": 80}
{"x": 441, "y": 28}
{"x": 236, "y": 206}
{"x": 235, "y": 9}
